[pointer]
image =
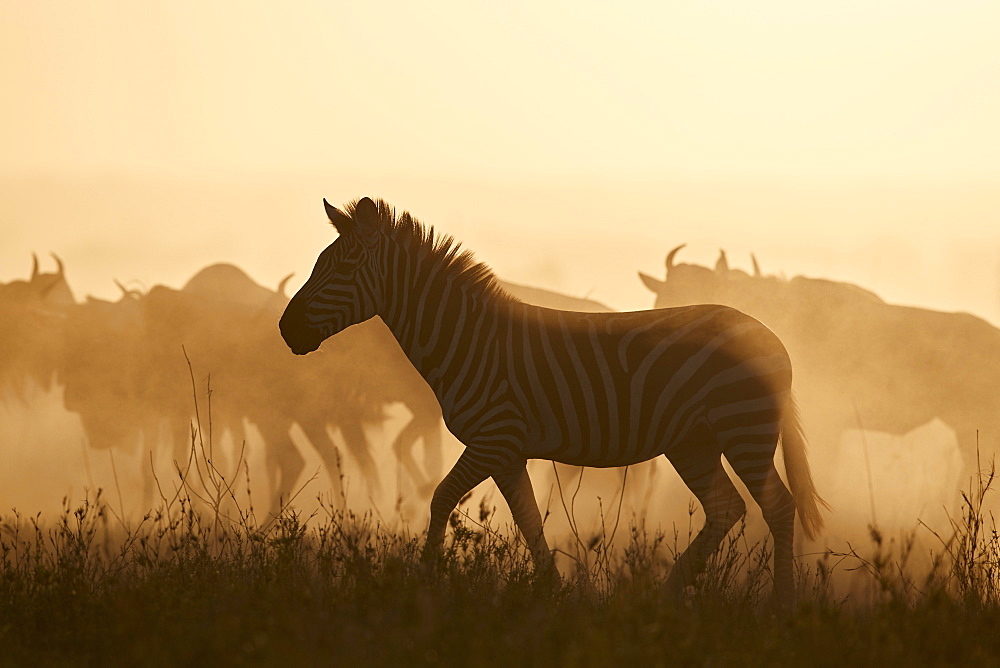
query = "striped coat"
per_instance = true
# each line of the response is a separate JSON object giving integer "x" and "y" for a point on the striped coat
{"x": 519, "y": 382}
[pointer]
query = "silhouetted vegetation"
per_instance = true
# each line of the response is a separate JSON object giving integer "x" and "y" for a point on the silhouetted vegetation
{"x": 201, "y": 579}
{"x": 205, "y": 578}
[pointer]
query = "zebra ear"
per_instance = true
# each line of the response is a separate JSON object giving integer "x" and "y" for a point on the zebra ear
{"x": 367, "y": 210}
{"x": 340, "y": 220}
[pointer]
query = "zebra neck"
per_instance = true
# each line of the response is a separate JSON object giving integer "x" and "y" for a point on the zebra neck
{"x": 441, "y": 328}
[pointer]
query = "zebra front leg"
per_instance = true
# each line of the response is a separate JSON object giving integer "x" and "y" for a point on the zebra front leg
{"x": 515, "y": 485}
{"x": 471, "y": 469}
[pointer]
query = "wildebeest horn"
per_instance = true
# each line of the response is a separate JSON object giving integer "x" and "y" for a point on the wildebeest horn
{"x": 756, "y": 267}
{"x": 59, "y": 263}
{"x": 283, "y": 283}
{"x": 34, "y": 266}
{"x": 723, "y": 264}
{"x": 134, "y": 292}
{"x": 670, "y": 256}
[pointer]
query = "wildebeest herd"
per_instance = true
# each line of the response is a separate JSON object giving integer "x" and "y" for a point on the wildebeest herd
{"x": 859, "y": 363}
{"x": 122, "y": 368}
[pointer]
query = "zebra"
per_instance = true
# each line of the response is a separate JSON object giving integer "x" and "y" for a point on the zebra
{"x": 518, "y": 382}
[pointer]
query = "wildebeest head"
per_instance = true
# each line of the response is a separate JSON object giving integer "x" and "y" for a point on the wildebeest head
{"x": 32, "y": 320}
{"x": 42, "y": 290}
{"x": 52, "y": 288}
{"x": 686, "y": 283}
{"x": 102, "y": 371}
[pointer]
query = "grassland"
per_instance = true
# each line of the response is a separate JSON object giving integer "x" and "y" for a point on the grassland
{"x": 200, "y": 580}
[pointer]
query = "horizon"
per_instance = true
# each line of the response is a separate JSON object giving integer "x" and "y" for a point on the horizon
{"x": 154, "y": 230}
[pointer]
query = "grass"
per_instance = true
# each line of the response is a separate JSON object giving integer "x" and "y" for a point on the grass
{"x": 194, "y": 583}
{"x": 201, "y": 579}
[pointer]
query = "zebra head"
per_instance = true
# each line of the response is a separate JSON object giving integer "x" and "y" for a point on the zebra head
{"x": 343, "y": 288}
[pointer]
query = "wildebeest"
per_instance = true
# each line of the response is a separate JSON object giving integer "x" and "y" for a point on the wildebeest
{"x": 31, "y": 327}
{"x": 123, "y": 372}
{"x": 862, "y": 363}
{"x": 126, "y": 375}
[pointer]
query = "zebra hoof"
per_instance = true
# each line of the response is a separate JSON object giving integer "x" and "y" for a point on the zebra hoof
{"x": 547, "y": 576}
{"x": 783, "y": 602}
{"x": 675, "y": 589}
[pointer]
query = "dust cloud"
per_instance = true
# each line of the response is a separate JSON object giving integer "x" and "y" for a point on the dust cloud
{"x": 103, "y": 381}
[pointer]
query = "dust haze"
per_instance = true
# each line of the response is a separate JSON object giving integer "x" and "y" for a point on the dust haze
{"x": 149, "y": 146}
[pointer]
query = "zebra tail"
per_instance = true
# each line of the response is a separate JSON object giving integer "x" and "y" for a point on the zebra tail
{"x": 808, "y": 503}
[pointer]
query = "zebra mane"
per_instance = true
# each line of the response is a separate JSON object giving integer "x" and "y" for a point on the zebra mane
{"x": 443, "y": 251}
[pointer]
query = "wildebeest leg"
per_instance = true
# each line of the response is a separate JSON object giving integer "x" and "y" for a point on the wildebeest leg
{"x": 430, "y": 429}
{"x": 182, "y": 441}
{"x": 157, "y": 436}
{"x": 229, "y": 464}
{"x": 357, "y": 444}
{"x": 977, "y": 464}
{"x": 704, "y": 475}
{"x": 651, "y": 478}
{"x": 425, "y": 423}
{"x": 315, "y": 430}
{"x": 148, "y": 437}
{"x": 232, "y": 424}
{"x": 636, "y": 483}
{"x": 402, "y": 446}
{"x": 284, "y": 462}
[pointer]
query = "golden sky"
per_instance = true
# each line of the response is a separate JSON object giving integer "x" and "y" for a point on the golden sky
{"x": 847, "y": 89}
{"x": 856, "y": 140}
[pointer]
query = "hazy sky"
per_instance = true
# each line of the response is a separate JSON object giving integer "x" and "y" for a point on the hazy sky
{"x": 873, "y": 87}
{"x": 856, "y": 140}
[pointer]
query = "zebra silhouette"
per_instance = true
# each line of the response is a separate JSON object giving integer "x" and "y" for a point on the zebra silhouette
{"x": 518, "y": 382}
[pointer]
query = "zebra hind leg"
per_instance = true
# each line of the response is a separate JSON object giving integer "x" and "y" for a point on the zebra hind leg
{"x": 754, "y": 464}
{"x": 704, "y": 475}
